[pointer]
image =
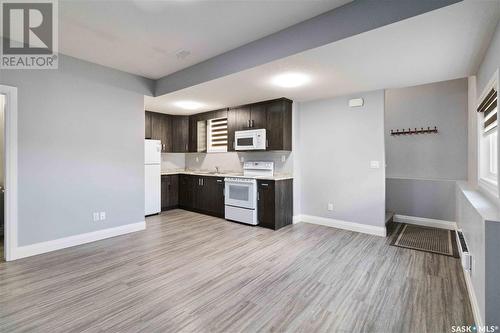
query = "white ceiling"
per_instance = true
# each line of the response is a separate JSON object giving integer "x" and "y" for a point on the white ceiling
{"x": 445, "y": 44}
{"x": 143, "y": 37}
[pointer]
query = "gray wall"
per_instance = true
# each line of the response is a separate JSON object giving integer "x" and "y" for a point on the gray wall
{"x": 81, "y": 139}
{"x": 432, "y": 199}
{"x": 336, "y": 145}
{"x": 477, "y": 214}
{"x": 420, "y": 167}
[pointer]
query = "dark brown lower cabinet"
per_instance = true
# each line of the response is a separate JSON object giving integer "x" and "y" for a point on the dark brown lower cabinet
{"x": 202, "y": 194}
{"x": 169, "y": 192}
{"x": 275, "y": 203}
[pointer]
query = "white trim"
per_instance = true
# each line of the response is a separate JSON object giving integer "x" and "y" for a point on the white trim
{"x": 10, "y": 160}
{"x": 473, "y": 299}
{"x": 352, "y": 226}
{"x": 62, "y": 243}
{"x": 442, "y": 224}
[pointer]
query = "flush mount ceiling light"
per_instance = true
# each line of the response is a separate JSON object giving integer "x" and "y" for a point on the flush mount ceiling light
{"x": 188, "y": 105}
{"x": 290, "y": 80}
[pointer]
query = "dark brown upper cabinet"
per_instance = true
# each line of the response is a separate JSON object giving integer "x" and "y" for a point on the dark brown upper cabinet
{"x": 275, "y": 116}
{"x": 147, "y": 124}
{"x": 161, "y": 127}
{"x": 172, "y": 131}
{"x": 279, "y": 124}
{"x": 180, "y": 134}
{"x": 188, "y": 133}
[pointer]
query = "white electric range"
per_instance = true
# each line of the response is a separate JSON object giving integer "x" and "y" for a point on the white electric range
{"x": 241, "y": 192}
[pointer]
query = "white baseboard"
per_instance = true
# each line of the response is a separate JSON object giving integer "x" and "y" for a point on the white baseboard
{"x": 473, "y": 300}
{"x": 352, "y": 226}
{"x": 62, "y": 243}
{"x": 442, "y": 224}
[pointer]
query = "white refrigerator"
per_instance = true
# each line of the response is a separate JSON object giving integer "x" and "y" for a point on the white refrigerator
{"x": 152, "y": 172}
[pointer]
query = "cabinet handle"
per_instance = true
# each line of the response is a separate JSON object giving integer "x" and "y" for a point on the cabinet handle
{"x": 249, "y": 123}
{"x": 186, "y": 147}
{"x": 219, "y": 181}
{"x": 267, "y": 143}
{"x": 253, "y": 124}
{"x": 258, "y": 196}
{"x": 264, "y": 184}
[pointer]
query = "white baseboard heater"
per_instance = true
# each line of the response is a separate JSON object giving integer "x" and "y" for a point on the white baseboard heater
{"x": 465, "y": 255}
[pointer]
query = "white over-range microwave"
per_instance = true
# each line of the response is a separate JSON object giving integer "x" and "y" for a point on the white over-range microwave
{"x": 250, "y": 140}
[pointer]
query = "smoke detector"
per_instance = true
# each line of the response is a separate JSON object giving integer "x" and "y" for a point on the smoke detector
{"x": 182, "y": 54}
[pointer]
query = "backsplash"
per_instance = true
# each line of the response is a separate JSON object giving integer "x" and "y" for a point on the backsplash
{"x": 173, "y": 161}
{"x": 230, "y": 162}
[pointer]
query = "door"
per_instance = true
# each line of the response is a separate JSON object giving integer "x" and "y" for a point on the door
{"x": 279, "y": 125}
{"x": 147, "y": 125}
{"x": 266, "y": 204}
{"x": 240, "y": 194}
{"x": 258, "y": 116}
{"x": 152, "y": 185}
{"x": 172, "y": 191}
{"x": 186, "y": 191}
{"x": 180, "y": 134}
{"x": 238, "y": 119}
{"x": 213, "y": 195}
{"x": 164, "y": 193}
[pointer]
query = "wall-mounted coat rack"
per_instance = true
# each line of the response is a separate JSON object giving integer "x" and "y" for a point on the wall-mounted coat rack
{"x": 409, "y": 131}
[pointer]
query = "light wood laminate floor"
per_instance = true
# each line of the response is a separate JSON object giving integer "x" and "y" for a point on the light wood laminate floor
{"x": 193, "y": 273}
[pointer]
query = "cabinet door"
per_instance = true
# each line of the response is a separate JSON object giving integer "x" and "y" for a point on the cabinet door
{"x": 167, "y": 133}
{"x": 173, "y": 191}
{"x": 161, "y": 128}
{"x": 238, "y": 119}
{"x": 185, "y": 191}
{"x": 258, "y": 116}
{"x": 266, "y": 204}
{"x": 213, "y": 196}
{"x": 193, "y": 134}
{"x": 279, "y": 125}
{"x": 180, "y": 134}
{"x": 164, "y": 193}
{"x": 147, "y": 125}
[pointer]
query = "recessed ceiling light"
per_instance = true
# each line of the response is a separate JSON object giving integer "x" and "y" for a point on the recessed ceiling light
{"x": 290, "y": 80}
{"x": 188, "y": 105}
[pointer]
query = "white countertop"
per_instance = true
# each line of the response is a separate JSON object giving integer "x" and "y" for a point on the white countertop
{"x": 224, "y": 174}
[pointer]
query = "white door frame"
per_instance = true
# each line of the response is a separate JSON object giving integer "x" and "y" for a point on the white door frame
{"x": 10, "y": 162}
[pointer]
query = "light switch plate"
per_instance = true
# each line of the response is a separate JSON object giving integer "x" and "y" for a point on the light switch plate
{"x": 375, "y": 164}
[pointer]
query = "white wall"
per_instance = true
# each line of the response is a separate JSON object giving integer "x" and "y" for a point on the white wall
{"x": 336, "y": 145}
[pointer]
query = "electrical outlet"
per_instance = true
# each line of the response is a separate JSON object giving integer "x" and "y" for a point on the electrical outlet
{"x": 102, "y": 215}
{"x": 95, "y": 216}
{"x": 283, "y": 158}
{"x": 330, "y": 206}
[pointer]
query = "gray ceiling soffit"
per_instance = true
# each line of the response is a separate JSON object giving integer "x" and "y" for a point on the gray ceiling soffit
{"x": 346, "y": 21}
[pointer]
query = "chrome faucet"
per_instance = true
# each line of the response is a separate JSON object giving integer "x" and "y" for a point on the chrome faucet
{"x": 217, "y": 169}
